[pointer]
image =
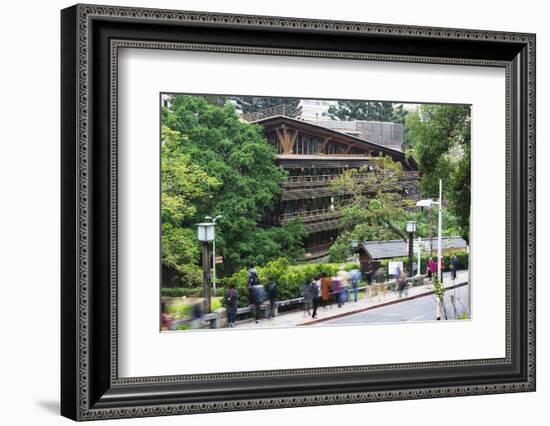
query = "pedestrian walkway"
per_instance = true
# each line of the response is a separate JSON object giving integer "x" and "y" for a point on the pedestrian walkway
{"x": 300, "y": 318}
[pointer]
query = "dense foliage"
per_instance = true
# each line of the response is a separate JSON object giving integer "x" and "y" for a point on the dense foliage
{"x": 215, "y": 164}
{"x": 441, "y": 138}
{"x": 361, "y": 110}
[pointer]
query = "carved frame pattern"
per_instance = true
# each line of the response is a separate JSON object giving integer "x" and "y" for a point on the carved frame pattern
{"x": 85, "y": 409}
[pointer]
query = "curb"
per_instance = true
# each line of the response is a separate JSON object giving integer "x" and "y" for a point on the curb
{"x": 368, "y": 308}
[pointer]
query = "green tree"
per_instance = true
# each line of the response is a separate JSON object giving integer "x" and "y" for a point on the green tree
{"x": 183, "y": 184}
{"x": 376, "y": 198}
{"x": 441, "y": 139}
{"x": 246, "y": 181}
{"x": 399, "y": 114}
{"x": 362, "y": 110}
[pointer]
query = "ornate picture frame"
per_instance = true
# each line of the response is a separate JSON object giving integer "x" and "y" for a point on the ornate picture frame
{"x": 91, "y": 386}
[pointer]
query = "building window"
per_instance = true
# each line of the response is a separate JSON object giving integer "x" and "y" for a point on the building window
{"x": 306, "y": 145}
{"x": 334, "y": 148}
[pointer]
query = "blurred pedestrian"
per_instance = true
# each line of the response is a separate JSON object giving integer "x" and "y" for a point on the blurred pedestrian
{"x": 345, "y": 277}
{"x": 338, "y": 290}
{"x": 314, "y": 289}
{"x": 355, "y": 278}
{"x": 232, "y": 303}
{"x": 402, "y": 282}
{"x": 307, "y": 294}
{"x": 258, "y": 297}
{"x": 196, "y": 315}
{"x": 325, "y": 289}
{"x": 431, "y": 267}
{"x": 367, "y": 270}
{"x": 166, "y": 318}
{"x": 380, "y": 275}
{"x": 271, "y": 289}
{"x": 454, "y": 266}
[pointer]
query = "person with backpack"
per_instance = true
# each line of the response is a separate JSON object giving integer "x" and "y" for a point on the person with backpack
{"x": 325, "y": 289}
{"x": 252, "y": 281}
{"x": 232, "y": 303}
{"x": 255, "y": 292}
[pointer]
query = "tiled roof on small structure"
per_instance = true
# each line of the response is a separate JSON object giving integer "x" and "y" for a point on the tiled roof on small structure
{"x": 399, "y": 248}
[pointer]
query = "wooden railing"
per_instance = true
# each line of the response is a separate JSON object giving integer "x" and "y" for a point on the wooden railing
{"x": 322, "y": 247}
{"x": 310, "y": 215}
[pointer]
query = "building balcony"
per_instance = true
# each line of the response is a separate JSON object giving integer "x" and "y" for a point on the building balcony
{"x": 302, "y": 187}
{"x": 279, "y": 110}
{"x": 314, "y": 220}
{"x": 318, "y": 250}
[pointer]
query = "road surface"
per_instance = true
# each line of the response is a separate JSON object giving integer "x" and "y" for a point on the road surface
{"x": 420, "y": 309}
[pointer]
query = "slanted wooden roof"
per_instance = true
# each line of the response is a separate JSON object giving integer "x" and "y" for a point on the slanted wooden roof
{"x": 305, "y": 126}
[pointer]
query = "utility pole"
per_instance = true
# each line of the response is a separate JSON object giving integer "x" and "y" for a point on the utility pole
{"x": 431, "y": 240}
{"x": 439, "y": 226}
{"x": 419, "y": 255}
{"x": 411, "y": 228}
{"x": 439, "y": 268}
{"x": 214, "y": 252}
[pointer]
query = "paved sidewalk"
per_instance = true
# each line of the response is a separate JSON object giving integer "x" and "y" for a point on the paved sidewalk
{"x": 300, "y": 318}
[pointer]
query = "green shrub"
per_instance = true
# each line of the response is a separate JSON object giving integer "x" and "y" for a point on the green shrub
{"x": 289, "y": 278}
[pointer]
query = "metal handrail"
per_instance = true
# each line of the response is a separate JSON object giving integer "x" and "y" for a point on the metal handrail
{"x": 284, "y": 110}
{"x": 310, "y": 213}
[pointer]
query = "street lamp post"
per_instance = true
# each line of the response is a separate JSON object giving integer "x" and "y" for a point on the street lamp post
{"x": 206, "y": 234}
{"x": 213, "y": 252}
{"x": 411, "y": 228}
{"x": 428, "y": 203}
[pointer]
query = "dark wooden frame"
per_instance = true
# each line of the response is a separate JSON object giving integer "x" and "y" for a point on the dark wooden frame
{"x": 90, "y": 386}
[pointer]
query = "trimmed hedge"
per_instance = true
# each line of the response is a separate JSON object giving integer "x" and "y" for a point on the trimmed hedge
{"x": 181, "y": 291}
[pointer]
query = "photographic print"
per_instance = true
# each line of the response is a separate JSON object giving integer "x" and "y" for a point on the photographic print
{"x": 283, "y": 212}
